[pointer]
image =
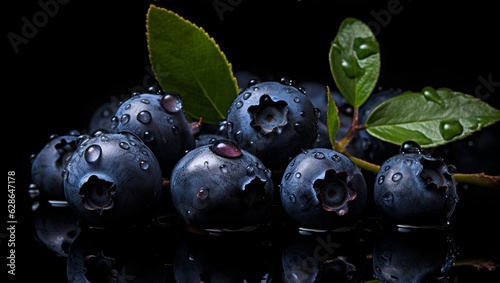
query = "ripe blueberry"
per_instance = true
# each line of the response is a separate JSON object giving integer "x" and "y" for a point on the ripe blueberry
{"x": 112, "y": 180}
{"x": 412, "y": 188}
{"x": 273, "y": 121}
{"x": 323, "y": 189}
{"x": 220, "y": 186}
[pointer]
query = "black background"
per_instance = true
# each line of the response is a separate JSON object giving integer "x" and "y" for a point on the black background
{"x": 89, "y": 51}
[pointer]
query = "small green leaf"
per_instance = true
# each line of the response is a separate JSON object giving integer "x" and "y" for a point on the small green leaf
{"x": 332, "y": 118}
{"x": 430, "y": 117}
{"x": 186, "y": 60}
{"x": 355, "y": 61}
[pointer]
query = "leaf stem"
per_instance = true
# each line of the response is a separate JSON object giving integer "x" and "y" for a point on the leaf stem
{"x": 479, "y": 179}
{"x": 341, "y": 144}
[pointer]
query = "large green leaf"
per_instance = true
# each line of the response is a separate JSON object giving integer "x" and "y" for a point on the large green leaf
{"x": 186, "y": 60}
{"x": 430, "y": 117}
{"x": 332, "y": 118}
{"x": 355, "y": 61}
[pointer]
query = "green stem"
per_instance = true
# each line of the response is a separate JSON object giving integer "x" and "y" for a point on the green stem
{"x": 479, "y": 179}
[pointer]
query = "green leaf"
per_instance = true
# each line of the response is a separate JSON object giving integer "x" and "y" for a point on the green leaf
{"x": 430, "y": 117}
{"x": 186, "y": 60}
{"x": 332, "y": 118}
{"x": 355, "y": 61}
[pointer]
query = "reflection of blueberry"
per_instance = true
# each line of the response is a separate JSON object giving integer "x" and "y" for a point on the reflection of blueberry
{"x": 112, "y": 180}
{"x": 47, "y": 166}
{"x": 274, "y": 121}
{"x": 323, "y": 189}
{"x": 417, "y": 256}
{"x": 413, "y": 188}
{"x": 221, "y": 186}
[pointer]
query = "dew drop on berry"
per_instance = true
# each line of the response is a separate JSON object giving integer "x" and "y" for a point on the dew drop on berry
{"x": 396, "y": 177}
{"x": 296, "y": 99}
{"x": 226, "y": 148}
{"x": 387, "y": 168}
{"x": 175, "y": 130}
{"x": 381, "y": 179}
{"x": 114, "y": 122}
{"x": 93, "y": 153}
{"x": 223, "y": 168}
{"x": 202, "y": 193}
{"x": 125, "y": 118}
{"x": 299, "y": 127}
{"x": 250, "y": 170}
{"x": 287, "y": 176}
{"x": 144, "y": 117}
{"x": 336, "y": 158}
{"x": 144, "y": 165}
{"x": 298, "y": 175}
{"x": 319, "y": 155}
{"x": 247, "y": 95}
{"x": 317, "y": 112}
{"x": 292, "y": 198}
{"x": 124, "y": 145}
{"x": 451, "y": 169}
{"x": 171, "y": 103}
{"x": 239, "y": 104}
{"x": 268, "y": 173}
{"x": 410, "y": 147}
{"x": 145, "y": 101}
{"x": 148, "y": 136}
{"x": 127, "y": 107}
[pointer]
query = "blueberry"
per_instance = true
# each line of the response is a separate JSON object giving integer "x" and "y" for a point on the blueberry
{"x": 323, "y": 189}
{"x": 101, "y": 117}
{"x": 413, "y": 188}
{"x": 158, "y": 119}
{"x": 113, "y": 180}
{"x": 273, "y": 121}
{"x": 221, "y": 186}
{"x": 47, "y": 166}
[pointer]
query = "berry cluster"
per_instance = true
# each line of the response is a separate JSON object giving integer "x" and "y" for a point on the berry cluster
{"x": 145, "y": 157}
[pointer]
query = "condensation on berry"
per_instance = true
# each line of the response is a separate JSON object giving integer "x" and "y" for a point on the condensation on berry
{"x": 223, "y": 168}
{"x": 171, "y": 103}
{"x": 381, "y": 179}
{"x": 144, "y": 117}
{"x": 125, "y": 118}
{"x": 410, "y": 147}
{"x": 336, "y": 158}
{"x": 247, "y": 95}
{"x": 396, "y": 177}
{"x": 124, "y": 145}
{"x": 319, "y": 155}
{"x": 144, "y": 165}
{"x": 239, "y": 104}
{"x": 93, "y": 153}
{"x": 226, "y": 148}
{"x": 299, "y": 127}
{"x": 148, "y": 136}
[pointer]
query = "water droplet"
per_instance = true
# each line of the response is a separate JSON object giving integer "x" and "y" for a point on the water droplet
{"x": 127, "y": 107}
{"x": 144, "y": 117}
{"x": 452, "y": 169}
{"x": 292, "y": 198}
{"x": 206, "y": 164}
{"x": 144, "y": 164}
{"x": 171, "y": 103}
{"x": 396, "y": 177}
{"x": 125, "y": 118}
{"x": 336, "y": 158}
{"x": 450, "y": 129}
{"x": 226, "y": 148}
{"x": 268, "y": 173}
{"x": 430, "y": 94}
{"x": 247, "y": 95}
{"x": 250, "y": 170}
{"x": 203, "y": 193}
{"x": 239, "y": 104}
{"x": 410, "y": 147}
{"x": 223, "y": 168}
{"x": 296, "y": 99}
{"x": 299, "y": 127}
{"x": 298, "y": 175}
{"x": 93, "y": 153}
{"x": 148, "y": 136}
{"x": 175, "y": 130}
{"x": 287, "y": 176}
{"x": 351, "y": 67}
{"x": 170, "y": 120}
{"x": 319, "y": 155}
{"x": 365, "y": 47}
{"x": 302, "y": 114}
{"x": 317, "y": 112}
{"x": 145, "y": 101}
{"x": 124, "y": 145}
{"x": 381, "y": 179}
{"x": 286, "y": 81}
{"x": 387, "y": 168}
{"x": 114, "y": 122}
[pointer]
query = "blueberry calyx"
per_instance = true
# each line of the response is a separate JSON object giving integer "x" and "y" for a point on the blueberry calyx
{"x": 334, "y": 192}
{"x": 269, "y": 116}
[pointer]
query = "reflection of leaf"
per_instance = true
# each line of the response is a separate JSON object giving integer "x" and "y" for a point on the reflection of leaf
{"x": 355, "y": 61}
{"x": 187, "y": 61}
{"x": 430, "y": 118}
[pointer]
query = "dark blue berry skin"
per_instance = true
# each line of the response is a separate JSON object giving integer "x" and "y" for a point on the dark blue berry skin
{"x": 101, "y": 117}
{"x": 158, "y": 119}
{"x": 48, "y": 164}
{"x": 412, "y": 188}
{"x": 273, "y": 121}
{"x": 323, "y": 189}
{"x": 113, "y": 180}
{"x": 221, "y": 186}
